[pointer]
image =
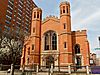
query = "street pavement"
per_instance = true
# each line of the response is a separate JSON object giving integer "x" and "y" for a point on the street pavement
{"x": 5, "y": 73}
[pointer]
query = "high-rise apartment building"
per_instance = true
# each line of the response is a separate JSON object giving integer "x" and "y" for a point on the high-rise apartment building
{"x": 16, "y": 15}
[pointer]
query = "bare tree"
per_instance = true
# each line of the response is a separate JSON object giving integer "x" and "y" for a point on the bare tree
{"x": 1, "y": 37}
{"x": 2, "y": 49}
{"x": 14, "y": 44}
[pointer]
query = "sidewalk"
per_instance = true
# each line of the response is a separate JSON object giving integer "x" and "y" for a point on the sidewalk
{"x": 5, "y": 73}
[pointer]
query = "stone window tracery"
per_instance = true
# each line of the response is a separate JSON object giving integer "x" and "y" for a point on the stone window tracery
{"x": 50, "y": 41}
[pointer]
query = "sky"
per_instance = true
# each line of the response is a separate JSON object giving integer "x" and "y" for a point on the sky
{"x": 85, "y": 14}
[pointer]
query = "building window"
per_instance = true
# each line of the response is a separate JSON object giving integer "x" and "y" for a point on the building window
{"x": 65, "y": 45}
{"x": 67, "y": 9}
{"x": 64, "y": 25}
{"x": 34, "y": 30}
{"x": 7, "y": 22}
{"x": 50, "y": 41}
{"x": 37, "y": 14}
{"x": 34, "y": 14}
{"x": 54, "y": 42}
{"x": 9, "y": 12}
{"x": 7, "y": 28}
{"x": 32, "y": 46}
{"x": 77, "y": 49}
{"x": 7, "y": 16}
{"x": 63, "y": 9}
{"x": 40, "y": 16}
{"x": 28, "y": 61}
{"x": 47, "y": 42}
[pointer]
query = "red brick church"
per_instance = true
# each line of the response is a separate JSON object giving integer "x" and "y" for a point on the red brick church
{"x": 52, "y": 39}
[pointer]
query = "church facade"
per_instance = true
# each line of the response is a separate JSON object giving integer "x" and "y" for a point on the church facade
{"x": 53, "y": 41}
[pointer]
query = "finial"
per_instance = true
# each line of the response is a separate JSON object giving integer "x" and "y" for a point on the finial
{"x": 68, "y": 0}
{"x": 64, "y": 0}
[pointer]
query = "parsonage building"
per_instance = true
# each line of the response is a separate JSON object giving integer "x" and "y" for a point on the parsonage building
{"x": 52, "y": 41}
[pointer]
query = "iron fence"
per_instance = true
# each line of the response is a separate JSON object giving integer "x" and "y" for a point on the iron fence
{"x": 59, "y": 69}
{"x": 34, "y": 69}
{"x": 6, "y": 67}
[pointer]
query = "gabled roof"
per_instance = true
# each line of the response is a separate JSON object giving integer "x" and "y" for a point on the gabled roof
{"x": 51, "y": 18}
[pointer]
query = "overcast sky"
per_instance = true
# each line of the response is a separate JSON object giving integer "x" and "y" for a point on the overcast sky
{"x": 85, "y": 14}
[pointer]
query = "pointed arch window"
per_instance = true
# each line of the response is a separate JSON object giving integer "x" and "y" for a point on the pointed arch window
{"x": 27, "y": 60}
{"x": 64, "y": 25}
{"x": 32, "y": 46}
{"x": 65, "y": 46}
{"x": 67, "y": 10}
{"x": 77, "y": 49}
{"x": 34, "y": 14}
{"x": 54, "y": 42}
{"x": 37, "y": 14}
{"x": 63, "y": 9}
{"x": 50, "y": 41}
{"x": 47, "y": 45}
{"x": 33, "y": 29}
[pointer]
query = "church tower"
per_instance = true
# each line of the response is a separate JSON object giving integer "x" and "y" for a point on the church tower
{"x": 65, "y": 34}
{"x": 65, "y": 17}
{"x": 36, "y": 34}
{"x": 36, "y": 21}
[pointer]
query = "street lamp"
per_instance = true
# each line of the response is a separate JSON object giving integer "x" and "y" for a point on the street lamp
{"x": 99, "y": 40}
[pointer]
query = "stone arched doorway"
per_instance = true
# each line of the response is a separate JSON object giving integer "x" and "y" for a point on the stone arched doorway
{"x": 78, "y": 62}
{"x": 49, "y": 61}
{"x": 78, "y": 56}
